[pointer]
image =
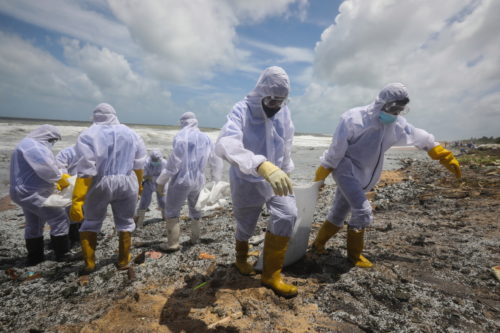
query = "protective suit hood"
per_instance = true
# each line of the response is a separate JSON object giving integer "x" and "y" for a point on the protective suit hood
{"x": 44, "y": 133}
{"x": 156, "y": 155}
{"x": 105, "y": 114}
{"x": 390, "y": 93}
{"x": 188, "y": 119}
{"x": 273, "y": 81}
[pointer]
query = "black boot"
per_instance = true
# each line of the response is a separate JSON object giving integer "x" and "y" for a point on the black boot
{"x": 61, "y": 246}
{"x": 74, "y": 234}
{"x": 35, "y": 251}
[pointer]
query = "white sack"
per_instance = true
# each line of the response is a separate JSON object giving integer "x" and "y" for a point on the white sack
{"x": 61, "y": 198}
{"x": 306, "y": 197}
{"x": 213, "y": 196}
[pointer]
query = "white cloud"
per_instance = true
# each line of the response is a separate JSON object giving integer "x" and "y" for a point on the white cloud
{"x": 446, "y": 52}
{"x": 174, "y": 40}
{"x": 28, "y": 71}
{"x": 32, "y": 79}
{"x": 185, "y": 41}
{"x": 288, "y": 54}
{"x": 70, "y": 18}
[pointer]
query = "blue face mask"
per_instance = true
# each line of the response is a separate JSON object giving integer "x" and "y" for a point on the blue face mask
{"x": 387, "y": 118}
{"x": 155, "y": 163}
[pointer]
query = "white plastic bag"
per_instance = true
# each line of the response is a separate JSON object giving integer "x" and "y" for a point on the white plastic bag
{"x": 61, "y": 198}
{"x": 213, "y": 196}
{"x": 306, "y": 197}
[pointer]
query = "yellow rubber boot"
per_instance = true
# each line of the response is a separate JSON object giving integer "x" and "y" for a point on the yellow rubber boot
{"x": 274, "y": 257}
{"x": 241, "y": 259}
{"x": 124, "y": 255}
{"x": 88, "y": 240}
{"x": 355, "y": 245}
{"x": 326, "y": 232}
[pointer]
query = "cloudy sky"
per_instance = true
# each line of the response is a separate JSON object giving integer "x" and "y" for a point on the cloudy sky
{"x": 155, "y": 59}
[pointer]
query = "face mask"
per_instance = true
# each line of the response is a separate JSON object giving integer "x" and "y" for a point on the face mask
{"x": 387, "y": 118}
{"x": 272, "y": 105}
{"x": 155, "y": 163}
{"x": 270, "y": 112}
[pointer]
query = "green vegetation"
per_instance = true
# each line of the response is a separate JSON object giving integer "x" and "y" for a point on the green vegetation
{"x": 483, "y": 140}
{"x": 489, "y": 157}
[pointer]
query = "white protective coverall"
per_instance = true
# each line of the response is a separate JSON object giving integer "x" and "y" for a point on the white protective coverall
{"x": 33, "y": 172}
{"x": 109, "y": 152}
{"x": 248, "y": 139}
{"x": 67, "y": 160}
{"x": 356, "y": 154}
{"x": 155, "y": 163}
{"x": 192, "y": 152}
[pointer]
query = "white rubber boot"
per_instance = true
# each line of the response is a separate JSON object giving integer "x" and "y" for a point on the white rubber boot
{"x": 139, "y": 222}
{"x": 173, "y": 233}
{"x": 195, "y": 231}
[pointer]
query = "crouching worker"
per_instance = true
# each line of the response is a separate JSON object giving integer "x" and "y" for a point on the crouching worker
{"x": 155, "y": 163}
{"x": 192, "y": 152}
{"x": 33, "y": 172}
{"x": 355, "y": 159}
{"x": 257, "y": 141}
{"x": 109, "y": 171}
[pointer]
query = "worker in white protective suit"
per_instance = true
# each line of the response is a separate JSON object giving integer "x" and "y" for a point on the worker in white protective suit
{"x": 192, "y": 152}
{"x": 355, "y": 158}
{"x": 67, "y": 160}
{"x": 155, "y": 163}
{"x": 257, "y": 141}
{"x": 110, "y": 171}
{"x": 33, "y": 172}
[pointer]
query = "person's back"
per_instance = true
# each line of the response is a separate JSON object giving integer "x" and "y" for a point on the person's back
{"x": 113, "y": 148}
{"x": 109, "y": 152}
{"x": 67, "y": 160}
{"x": 192, "y": 151}
{"x": 194, "y": 148}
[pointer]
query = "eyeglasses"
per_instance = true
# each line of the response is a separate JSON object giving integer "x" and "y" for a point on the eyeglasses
{"x": 52, "y": 140}
{"x": 396, "y": 108}
{"x": 274, "y": 102}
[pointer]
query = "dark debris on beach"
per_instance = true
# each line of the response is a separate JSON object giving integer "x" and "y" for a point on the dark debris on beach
{"x": 433, "y": 243}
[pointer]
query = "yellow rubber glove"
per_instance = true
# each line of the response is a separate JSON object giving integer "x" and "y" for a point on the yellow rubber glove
{"x": 139, "y": 173}
{"x": 321, "y": 173}
{"x": 279, "y": 180}
{"x": 82, "y": 186}
{"x": 63, "y": 182}
{"x": 447, "y": 159}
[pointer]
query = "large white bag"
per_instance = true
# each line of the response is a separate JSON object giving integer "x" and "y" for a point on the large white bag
{"x": 306, "y": 197}
{"x": 213, "y": 196}
{"x": 61, "y": 198}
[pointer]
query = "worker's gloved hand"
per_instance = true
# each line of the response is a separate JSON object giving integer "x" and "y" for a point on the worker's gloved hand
{"x": 139, "y": 173}
{"x": 321, "y": 173}
{"x": 63, "y": 182}
{"x": 82, "y": 186}
{"x": 279, "y": 180}
{"x": 447, "y": 159}
{"x": 160, "y": 189}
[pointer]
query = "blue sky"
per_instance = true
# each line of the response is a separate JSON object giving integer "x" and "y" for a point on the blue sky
{"x": 155, "y": 59}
